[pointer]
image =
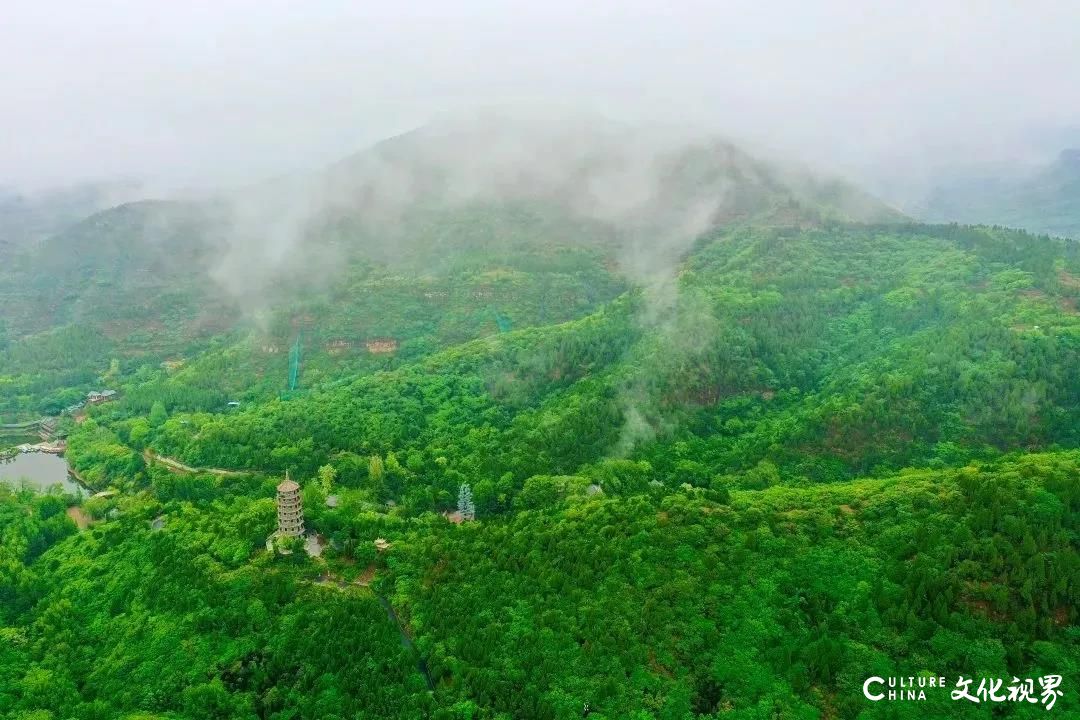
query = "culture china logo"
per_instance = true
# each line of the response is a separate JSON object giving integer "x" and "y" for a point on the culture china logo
{"x": 1045, "y": 690}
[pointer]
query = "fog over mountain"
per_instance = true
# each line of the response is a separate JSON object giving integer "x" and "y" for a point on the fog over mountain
{"x": 193, "y": 95}
{"x": 475, "y": 360}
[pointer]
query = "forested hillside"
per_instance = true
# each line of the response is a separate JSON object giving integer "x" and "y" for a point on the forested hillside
{"x": 429, "y": 239}
{"x": 644, "y": 603}
{"x": 803, "y": 355}
{"x": 723, "y": 449}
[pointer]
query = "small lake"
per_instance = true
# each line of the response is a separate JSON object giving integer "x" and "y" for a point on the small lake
{"x": 41, "y": 469}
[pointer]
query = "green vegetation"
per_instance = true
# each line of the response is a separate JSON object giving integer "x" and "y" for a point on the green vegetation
{"x": 179, "y": 339}
{"x": 665, "y": 604}
{"x": 770, "y": 604}
{"x": 803, "y": 356}
{"x": 132, "y": 622}
{"x": 810, "y": 452}
{"x": 427, "y": 250}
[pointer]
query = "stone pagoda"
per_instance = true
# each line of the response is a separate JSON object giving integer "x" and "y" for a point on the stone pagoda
{"x": 290, "y": 511}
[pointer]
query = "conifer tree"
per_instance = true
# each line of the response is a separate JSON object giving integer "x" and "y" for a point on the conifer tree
{"x": 465, "y": 502}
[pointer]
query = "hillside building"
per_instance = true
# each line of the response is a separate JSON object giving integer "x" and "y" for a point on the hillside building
{"x": 96, "y": 398}
{"x": 290, "y": 510}
{"x": 378, "y": 346}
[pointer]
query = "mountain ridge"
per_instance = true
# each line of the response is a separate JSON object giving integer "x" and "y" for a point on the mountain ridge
{"x": 1043, "y": 200}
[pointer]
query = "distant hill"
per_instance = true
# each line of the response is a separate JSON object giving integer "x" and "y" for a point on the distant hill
{"x": 28, "y": 217}
{"x": 575, "y": 206}
{"x": 1044, "y": 201}
{"x": 131, "y": 261}
{"x": 566, "y": 183}
{"x": 649, "y": 189}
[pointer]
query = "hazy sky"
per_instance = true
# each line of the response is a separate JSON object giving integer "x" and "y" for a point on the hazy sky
{"x": 225, "y": 91}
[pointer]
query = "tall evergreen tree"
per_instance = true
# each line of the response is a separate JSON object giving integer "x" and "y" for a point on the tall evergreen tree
{"x": 465, "y": 503}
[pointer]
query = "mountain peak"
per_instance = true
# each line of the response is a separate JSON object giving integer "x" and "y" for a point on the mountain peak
{"x": 1070, "y": 158}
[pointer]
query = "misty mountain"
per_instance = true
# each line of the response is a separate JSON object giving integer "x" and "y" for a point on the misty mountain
{"x": 490, "y": 186}
{"x": 755, "y": 396}
{"x": 1046, "y": 200}
{"x": 646, "y": 186}
{"x": 442, "y": 313}
{"x": 28, "y": 217}
{"x": 127, "y": 267}
{"x": 831, "y": 421}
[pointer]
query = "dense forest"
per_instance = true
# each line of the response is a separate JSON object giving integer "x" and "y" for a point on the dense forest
{"x": 810, "y": 356}
{"x": 548, "y": 474}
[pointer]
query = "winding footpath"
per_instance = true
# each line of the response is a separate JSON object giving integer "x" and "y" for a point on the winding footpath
{"x": 151, "y": 457}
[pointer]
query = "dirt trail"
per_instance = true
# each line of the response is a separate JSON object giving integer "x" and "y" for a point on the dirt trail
{"x": 150, "y": 456}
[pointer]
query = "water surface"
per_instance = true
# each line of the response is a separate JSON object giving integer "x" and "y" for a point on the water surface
{"x": 41, "y": 469}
